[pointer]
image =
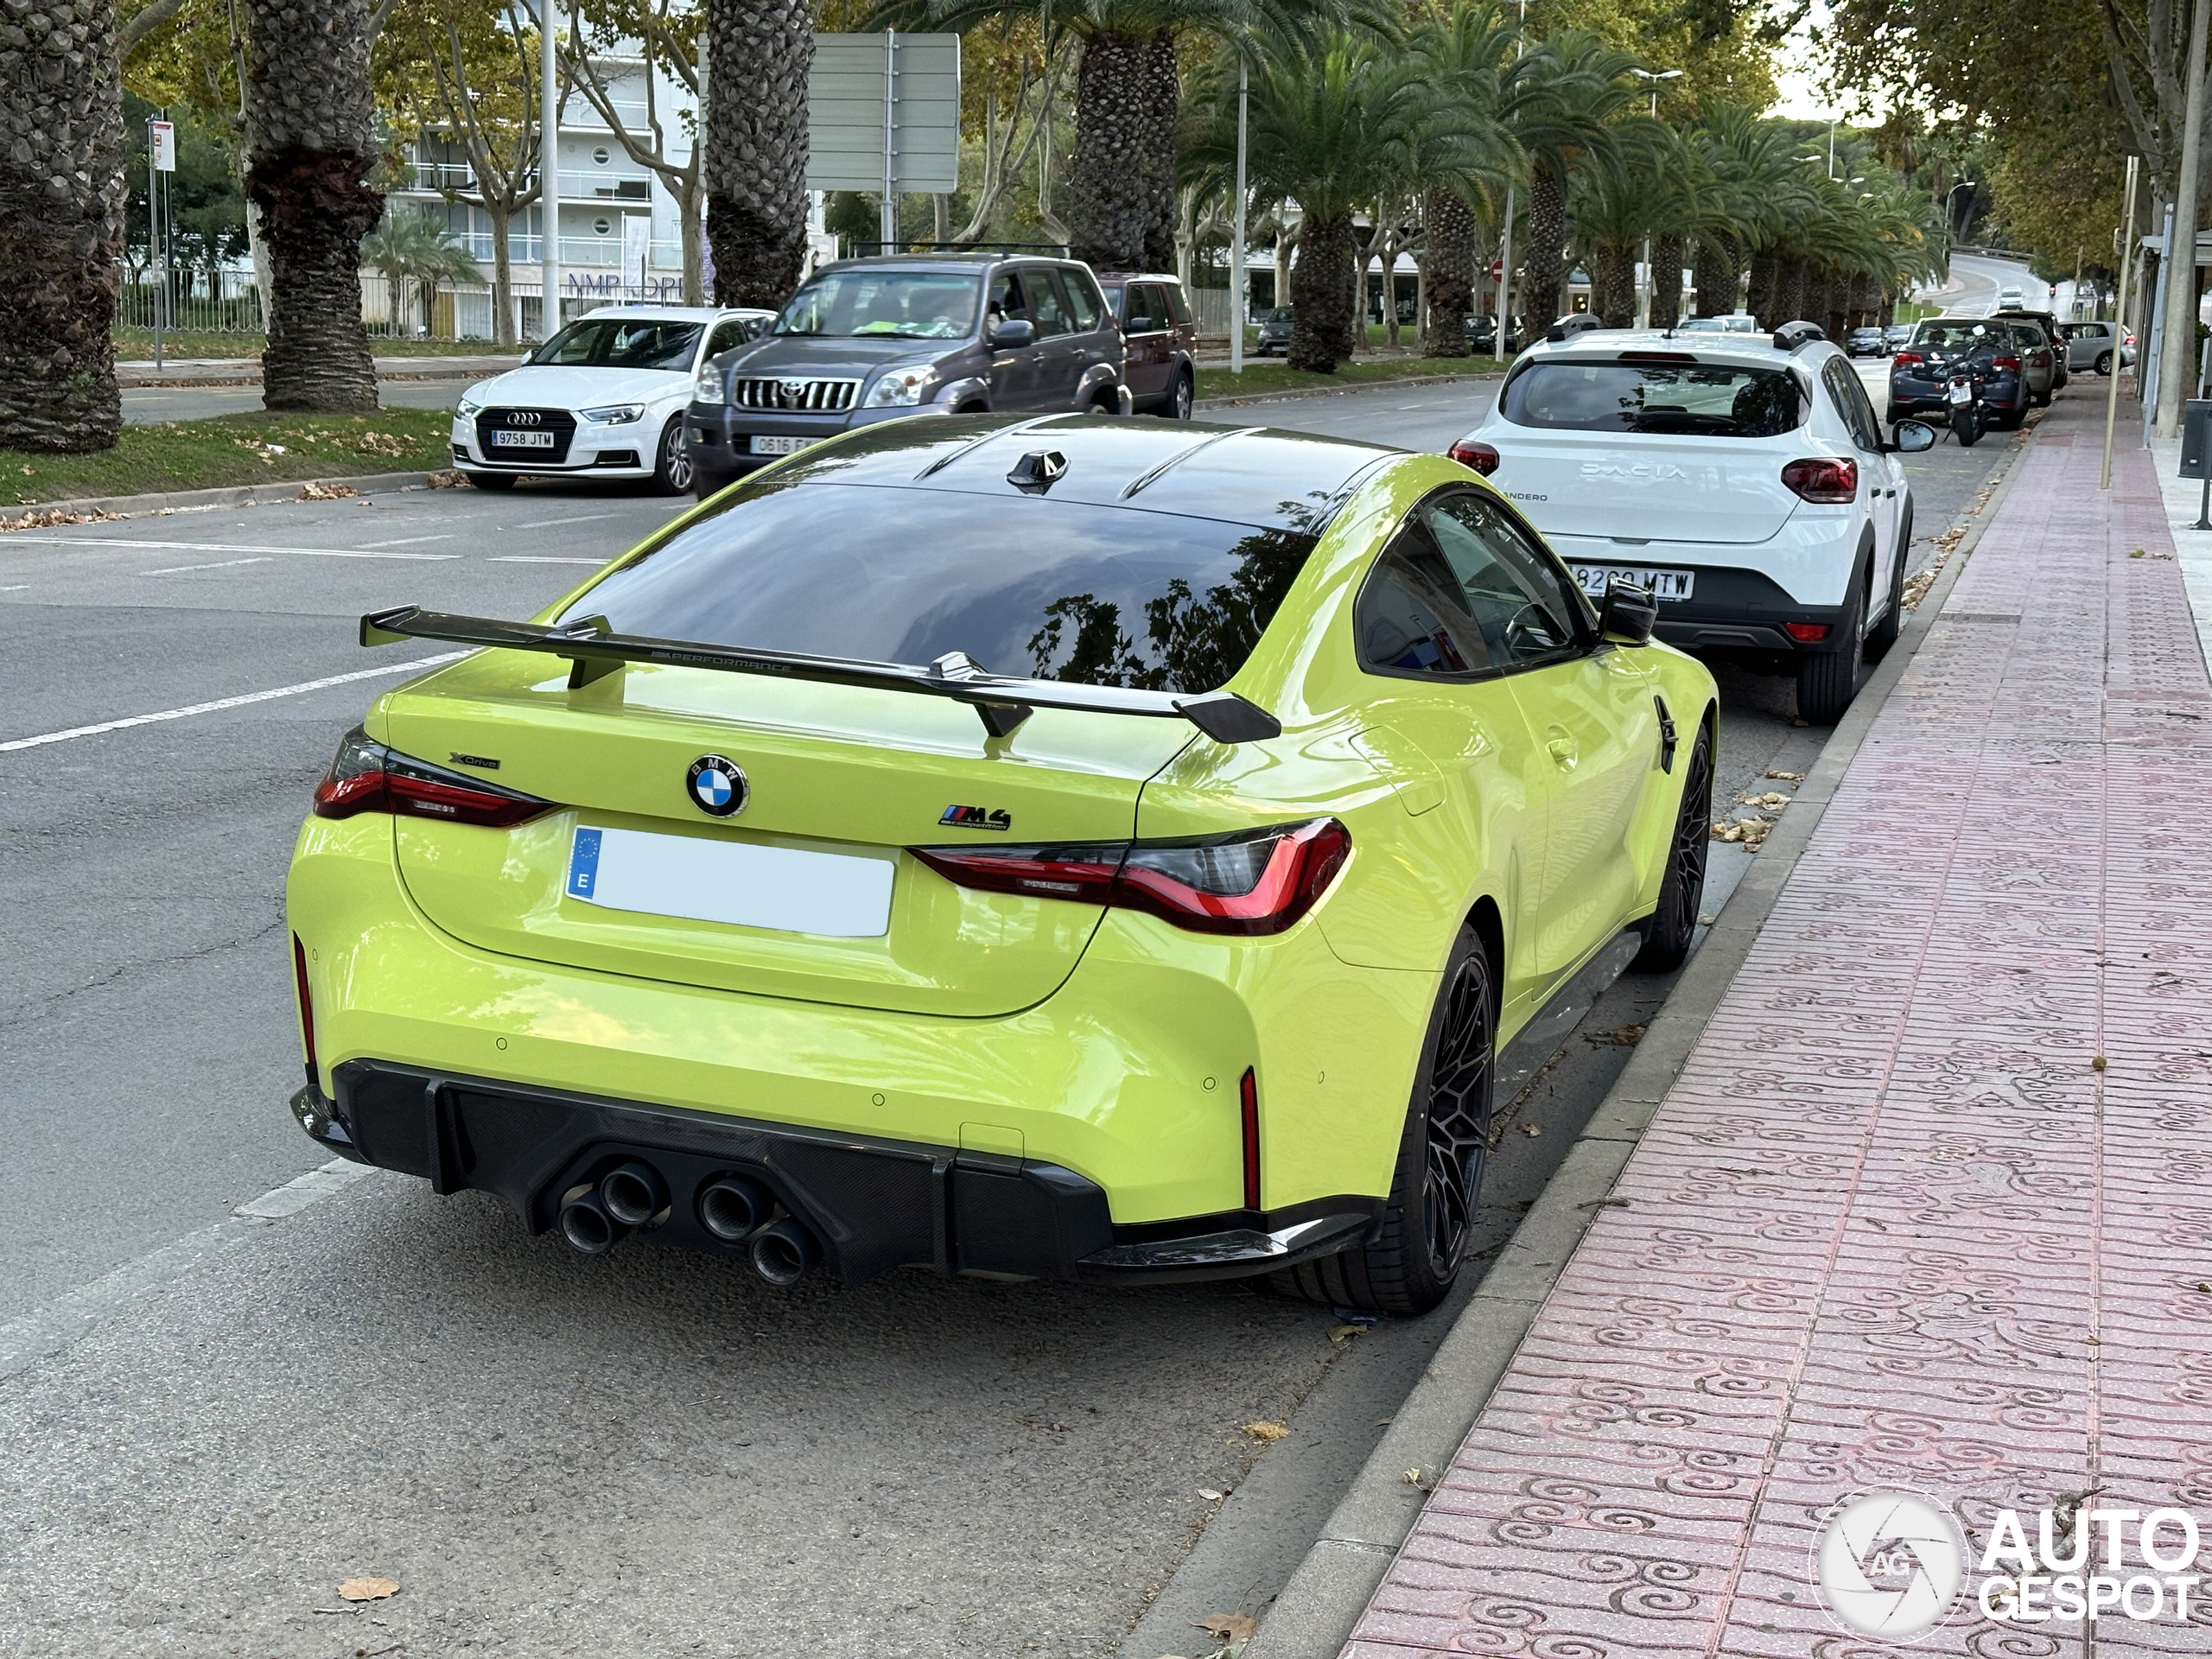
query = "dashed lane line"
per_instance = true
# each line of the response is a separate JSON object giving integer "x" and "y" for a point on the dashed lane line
{"x": 408, "y": 541}
{"x": 220, "y": 564}
{"x": 537, "y": 558}
{"x": 304, "y": 686}
{"x": 15, "y": 536}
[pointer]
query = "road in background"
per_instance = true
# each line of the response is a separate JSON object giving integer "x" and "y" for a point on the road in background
{"x": 648, "y": 1452}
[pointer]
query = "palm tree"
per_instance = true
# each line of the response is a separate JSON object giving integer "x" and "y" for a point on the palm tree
{"x": 1468, "y": 56}
{"x": 1585, "y": 84}
{"x": 1331, "y": 128}
{"x": 413, "y": 244}
{"x": 759, "y": 53}
{"x": 310, "y": 142}
{"x": 1118, "y": 197}
{"x": 61, "y": 232}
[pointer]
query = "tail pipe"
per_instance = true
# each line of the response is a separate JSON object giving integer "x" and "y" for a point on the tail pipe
{"x": 633, "y": 1192}
{"x": 735, "y": 1207}
{"x": 786, "y": 1253}
{"x": 587, "y": 1225}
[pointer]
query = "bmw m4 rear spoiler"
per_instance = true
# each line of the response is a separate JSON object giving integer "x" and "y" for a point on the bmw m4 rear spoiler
{"x": 594, "y": 651}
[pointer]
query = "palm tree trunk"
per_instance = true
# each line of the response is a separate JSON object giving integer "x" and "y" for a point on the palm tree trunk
{"x": 1544, "y": 270}
{"x": 1120, "y": 184}
{"x": 1667, "y": 253}
{"x": 61, "y": 193}
{"x": 1789, "y": 291}
{"x": 759, "y": 55}
{"x": 1449, "y": 272}
{"x": 1766, "y": 273}
{"x": 1320, "y": 296}
{"x": 311, "y": 143}
{"x": 1612, "y": 284}
{"x": 1720, "y": 263}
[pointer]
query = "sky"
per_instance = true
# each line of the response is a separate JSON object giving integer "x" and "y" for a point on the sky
{"x": 1803, "y": 96}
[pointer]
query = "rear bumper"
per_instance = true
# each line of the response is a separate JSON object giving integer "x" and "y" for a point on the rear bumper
{"x": 874, "y": 1204}
{"x": 1734, "y": 609}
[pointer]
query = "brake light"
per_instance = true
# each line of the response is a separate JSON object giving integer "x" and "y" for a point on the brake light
{"x": 1825, "y": 480}
{"x": 1480, "y": 456}
{"x": 366, "y": 777}
{"x": 1907, "y": 360}
{"x": 2005, "y": 365}
{"x": 1806, "y": 633}
{"x": 1247, "y": 1101}
{"x": 1658, "y": 357}
{"x": 1256, "y": 881}
{"x": 307, "y": 1007}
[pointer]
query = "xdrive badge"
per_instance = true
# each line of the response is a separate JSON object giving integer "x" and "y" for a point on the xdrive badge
{"x": 718, "y": 787}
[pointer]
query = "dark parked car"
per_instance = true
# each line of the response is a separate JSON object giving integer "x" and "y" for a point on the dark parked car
{"x": 1482, "y": 334}
{"x": 1920, "y": 374}
{"x": 1161, "y": 339}
{"x": 872, "y": 339}
{"x": 1865, "y": 342}
{"x": 1896, "y": 334}
{"x": 1275, "y": 332}
{"x": 2054, "y": 339}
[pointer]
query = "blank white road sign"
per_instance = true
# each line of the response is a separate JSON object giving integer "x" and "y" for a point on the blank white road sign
{"x": 865, "y": 87}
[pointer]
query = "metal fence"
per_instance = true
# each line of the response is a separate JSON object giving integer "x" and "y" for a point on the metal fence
{"x": 228, "y": 302}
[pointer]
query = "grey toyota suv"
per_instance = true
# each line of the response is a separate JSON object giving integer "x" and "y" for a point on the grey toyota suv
{"x": 872, "y": 339}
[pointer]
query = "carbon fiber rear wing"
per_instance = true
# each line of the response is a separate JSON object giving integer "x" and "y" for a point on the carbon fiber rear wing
{"x": 594, "y": 651}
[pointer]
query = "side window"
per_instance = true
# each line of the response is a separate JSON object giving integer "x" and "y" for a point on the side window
{"x": 1407, "y": 618}
{"x": 1526, "y": 608}
{"x": 726, "y": 335}
{"x": 1007, "y": 298}
{"x": 1047, "y": 305}
{"x": 1179, "y": 307}
{"x": 1850, "y": 395}
{"x": 1084, "y": 306}
{"x": 1141, "y": 317}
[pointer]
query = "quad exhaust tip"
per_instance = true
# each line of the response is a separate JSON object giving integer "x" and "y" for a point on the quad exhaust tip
{"x": 588, "y": 1228}
{"x": 633, "y": 1193}
{"x": 786, "y": 1253}
{"x": 735, "y": 1207}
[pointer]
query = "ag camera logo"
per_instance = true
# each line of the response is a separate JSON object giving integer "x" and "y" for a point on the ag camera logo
{"x": 1890, "y": 1564}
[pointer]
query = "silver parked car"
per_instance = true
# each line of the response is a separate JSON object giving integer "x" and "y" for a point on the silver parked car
{"x": 2090, "y": 346}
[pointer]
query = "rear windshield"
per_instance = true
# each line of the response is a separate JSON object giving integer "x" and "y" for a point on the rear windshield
{"x": 1026, "y": 587}
{"x": 1966, "y": 333}
{"x": 1709, "y": 400}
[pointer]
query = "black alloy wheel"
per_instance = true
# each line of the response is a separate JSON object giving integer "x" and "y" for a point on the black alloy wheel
{"x": 1682, "y": 889}
{"x": 672, "y": 469}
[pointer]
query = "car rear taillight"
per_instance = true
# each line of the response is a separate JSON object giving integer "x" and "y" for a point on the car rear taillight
{"x": 366, "y": 777}
{"x": 1480, "y": 456}
{"x": 307, "y": 1008}
{"x": 1907, "y": 360}
{"x": 1825, "y": 480}
{"x": 1806, "y": 633}
{"x": 2005, "y": 365}
{"x": 1256, "y": 881}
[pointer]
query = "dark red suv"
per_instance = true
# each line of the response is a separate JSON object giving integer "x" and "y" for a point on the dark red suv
{"x": 1161, "y": 368}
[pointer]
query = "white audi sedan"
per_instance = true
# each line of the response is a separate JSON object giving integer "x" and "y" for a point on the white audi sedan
{"x": 1743, "y": 478}
{"x": 604, "y": 398}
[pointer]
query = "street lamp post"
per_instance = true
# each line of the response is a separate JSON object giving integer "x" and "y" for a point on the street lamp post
{"x": 548, "y": 181}
{"x": 1505, "y": 241}
{"x": 1645, "y": 288}
{"x": 1237, "y": 303}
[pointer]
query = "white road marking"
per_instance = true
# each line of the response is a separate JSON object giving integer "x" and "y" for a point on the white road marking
{"x": 12, "y": 536}
{"x": 537, "y": 558}
{"x": 304, "y": 686}
{"x": 17, "y": 588}
{"x": 220, "y": 564}
{"x": 579, "y": 519}
{"x": 408, "y": 541}
{"x": 48, "y": 1331}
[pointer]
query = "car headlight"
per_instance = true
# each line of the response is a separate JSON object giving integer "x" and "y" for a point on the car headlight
{"x": 466, "y": 407}
{"x": 708, "y": 388}
{"x": 901, "y": 388}
{"x": 616, "y": 414}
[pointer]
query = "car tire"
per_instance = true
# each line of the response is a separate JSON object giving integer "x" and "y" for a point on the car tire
{"x": 1181, "y": 398}
{"x": 1681, "y": 890}
{"x": 1828, "y": 680}
{"x": 1416, "y": 1252}
{"x": 673, "y": 472}
{"x": 1884, "y": 633}
{"x": 490, "y": 480}
{"x": 2043, "y": 398}
{"x": 2104, "y": 363}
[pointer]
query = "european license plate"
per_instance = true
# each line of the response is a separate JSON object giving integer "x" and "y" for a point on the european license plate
{"x": 505, "y": 440}
{"x": 1962, "y": 394}
{"x": 1663, "y": 584}
{"x": 765, "y": 445}
{"x": 743, "y": 884}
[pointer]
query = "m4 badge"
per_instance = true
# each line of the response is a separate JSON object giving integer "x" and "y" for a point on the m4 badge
{"x": 975, "y": 818}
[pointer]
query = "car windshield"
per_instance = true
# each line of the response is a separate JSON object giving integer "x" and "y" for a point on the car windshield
{"x": 622, "y": 343}
{"x": 899, "y": 304}
{"x": 1709, "y": 400}
{"x": 1276, "y": 314}
{"x": 1045, "y": 589}
{"x": 1966, "y": 334}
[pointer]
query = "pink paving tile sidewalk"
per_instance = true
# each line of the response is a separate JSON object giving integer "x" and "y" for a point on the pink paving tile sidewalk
{"x": 1930, "y": 1206}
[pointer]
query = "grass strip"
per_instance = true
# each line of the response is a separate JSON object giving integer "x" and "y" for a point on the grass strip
{"x": 259, "y": 448}
{"x": 136, "y": 345}
{"x": 1260, "y": 378}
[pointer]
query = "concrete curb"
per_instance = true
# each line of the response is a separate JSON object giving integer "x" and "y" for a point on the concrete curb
{"x": 31, "y": 515}
{"x": 140, "y": 378}
{"x": 1318, "y": 1608}
{"x": 1298, "y": 394}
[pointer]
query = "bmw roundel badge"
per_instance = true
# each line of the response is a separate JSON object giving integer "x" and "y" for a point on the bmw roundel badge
{"x": 717, "y": 787}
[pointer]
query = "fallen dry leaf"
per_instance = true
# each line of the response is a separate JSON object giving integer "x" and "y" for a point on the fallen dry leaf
{"x": 1788, "y": 777}
{"x": 1625, "y": 1037}
{"x": 1210, "y": 1495}
{"x": 1341, "y": 1334}
{"x": 447, "y": 481}
{"x": 1267, "y": 1432}
{"x": 2137, "y": 554}
{"x": 327, "y": 492}
{"x": 368, "y": 1589}
{"x": 1230, "y": 1627}
{"x": 1532, "y": 1130}
{"x": 2097, "y": 1064}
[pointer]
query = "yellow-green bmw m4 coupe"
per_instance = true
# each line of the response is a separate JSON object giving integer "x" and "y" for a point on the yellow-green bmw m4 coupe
{"x": 1081, "y": 848}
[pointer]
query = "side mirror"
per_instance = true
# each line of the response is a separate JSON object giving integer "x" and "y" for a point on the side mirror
{"x": 1012, "y": 334}
{"x": 1629, "y": 613}
{"x": 1912, "y": 437}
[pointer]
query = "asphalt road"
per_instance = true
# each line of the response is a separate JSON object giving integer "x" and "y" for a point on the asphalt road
{"x": 208, "y": 1422}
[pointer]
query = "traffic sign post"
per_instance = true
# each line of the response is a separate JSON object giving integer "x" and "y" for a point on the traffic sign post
{"x": 883, "y": 114}
{"x": 160, "y": 158}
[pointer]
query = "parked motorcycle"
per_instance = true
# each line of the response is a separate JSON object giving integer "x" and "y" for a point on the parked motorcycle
{"x": 1970, "y": 415}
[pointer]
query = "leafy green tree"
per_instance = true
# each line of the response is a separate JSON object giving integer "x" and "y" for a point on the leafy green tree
{"x": 1585, "y": 85}
{"x": 412, "y": 245}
